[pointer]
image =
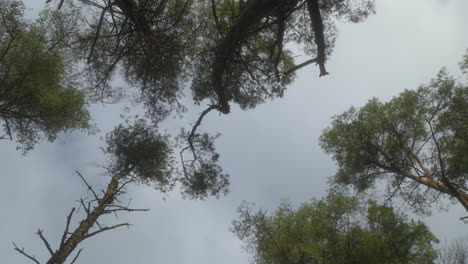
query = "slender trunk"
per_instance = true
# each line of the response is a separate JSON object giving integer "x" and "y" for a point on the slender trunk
{"x": 252, "y": 13}
{"x": 82, "y": 231}
{"x": 319, "y": 38}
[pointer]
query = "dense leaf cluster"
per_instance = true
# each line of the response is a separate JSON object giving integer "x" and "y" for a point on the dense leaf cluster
{"x": 38, "y": 99}
{"x": 139, "y": 149}
{"x": 146, "y": 157}
{"x": 337, "y": 229}
{"x": 418, "y": 139}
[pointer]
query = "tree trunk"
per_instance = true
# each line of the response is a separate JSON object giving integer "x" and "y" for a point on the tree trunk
{"x": 82, "y": 232}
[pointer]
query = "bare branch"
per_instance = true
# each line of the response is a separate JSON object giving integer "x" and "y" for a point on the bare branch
{"x": 87, "y": 185}
{"x": 46, "y": 243}
{"x": 299, "y": 66}
{"x": 21, "y": 251}
{"x": 77, "y": 255}
{"x": 106, "y": 229}
{"x": 65, "y": 232}
{"x": 101, "y": 19}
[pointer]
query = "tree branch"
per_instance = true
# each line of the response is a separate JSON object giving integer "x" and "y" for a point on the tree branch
{"x": 461, "y": 197}
{"x": 46, "y": 243}
{"x": 317, "y": 27}
{"x": 299, "y": 66}
{"x": 101, "y": 19}
{"x": 90, "y": 188}
{"x": 253, "y": 12}
{"x": 21, "y": 251}
{"x": 65, "y": 232}
{"x": 215, "y": 16}
{"x": 106, "y": 229}
{"x": 197, "y": 124}
{"x": 77, "y": 255}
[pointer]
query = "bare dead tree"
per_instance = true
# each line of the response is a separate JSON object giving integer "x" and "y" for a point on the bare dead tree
{"x": 94, "y": 207}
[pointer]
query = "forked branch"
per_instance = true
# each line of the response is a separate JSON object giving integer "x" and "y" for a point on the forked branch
{"x": 101, "y": 205}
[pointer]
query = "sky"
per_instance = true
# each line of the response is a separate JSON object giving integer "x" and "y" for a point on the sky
{"x": 271, "y": 152}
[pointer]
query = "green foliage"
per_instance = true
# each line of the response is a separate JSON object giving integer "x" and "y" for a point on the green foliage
{"x": 140, "y": 149}
{"x": 418, "y": 137}
{"x": 149, "y": 156}
{"x": 157, "y": 46}
{"x": 393, "y": 237}
{"x": 258, "y": 69}
{"x": 202, "y": 174}
{"x": 464, "y": 64}
{"x": 334, "y": 230}
{"x": 145, "y": 45}
{"x": 251, "y": 78}
{"x": 37, "y": 100}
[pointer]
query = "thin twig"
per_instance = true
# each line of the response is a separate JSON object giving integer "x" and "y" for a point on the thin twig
{"x": 89, "y": 186}
{"x": 65, "y": 233}
{"x": 77, "y": 255}
{"x": 21, "y": 251}
{"x": 106, "y": 229}
{"x": 49, "y": 248}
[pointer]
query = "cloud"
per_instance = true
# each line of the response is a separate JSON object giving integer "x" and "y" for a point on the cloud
{"x": 270, "y": 152}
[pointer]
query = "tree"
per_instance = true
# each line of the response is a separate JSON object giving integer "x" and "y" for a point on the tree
{"x": 454, "y": 253}
{"x": 418, "y": 139}
{"x": 136, "y": 153}
{"x": 38, "y": 99}
{"x": 229, "y": 54}
{"x": 247, "y": 63}
{"x": 158, "y": 46}
{"x": 334, "y": 230}
{"x": 232, "y": 53}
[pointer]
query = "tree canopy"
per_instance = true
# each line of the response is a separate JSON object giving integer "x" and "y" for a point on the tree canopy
{"x": 337, "y": 229}
{"x": 38, "y": 97}
{"x": 229, "y": 50}
{"x": 226, "y": 52}
{"x": 417, "y": 142}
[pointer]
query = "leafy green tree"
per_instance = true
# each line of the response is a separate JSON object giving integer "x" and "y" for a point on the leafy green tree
{"x": 334, "y": 230}
{"x": 244, "y": 58}
{"x": 417, "y": 143}
{"x": 230, "y": 52}
{"x": 37, "y": 98}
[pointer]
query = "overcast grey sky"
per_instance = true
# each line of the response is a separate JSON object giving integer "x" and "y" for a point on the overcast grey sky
{"x": 271, "y": 152}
